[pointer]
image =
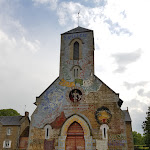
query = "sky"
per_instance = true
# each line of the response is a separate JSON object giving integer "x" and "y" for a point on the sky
{"x": 30, "y": 49}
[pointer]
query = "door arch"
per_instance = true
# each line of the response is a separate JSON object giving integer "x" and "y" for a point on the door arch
{"x": 75, "y": 137}
{"x": 78, "y": 119}
{"x": 64, "y": 132}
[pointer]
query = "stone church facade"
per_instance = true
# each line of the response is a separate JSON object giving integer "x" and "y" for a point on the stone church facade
{"x": 78, "y": 111}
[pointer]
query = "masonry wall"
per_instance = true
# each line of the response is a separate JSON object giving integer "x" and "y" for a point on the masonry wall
{"x": 117, "y": 133}
{"x": 129, "y": 135}
{"x": 14, "y": 137}
{"x": 24, "y": 124}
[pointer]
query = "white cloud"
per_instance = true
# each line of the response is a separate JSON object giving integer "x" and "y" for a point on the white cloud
{"x": 16, "y": 61}
{"x": 134, "y": 85}
{"x": 10, "y": 44}
{"x": 52, "y": 3}
{"x": 142, "y": 92}
{"x": 67, "y": 12}
{"x": 124, "y": 59}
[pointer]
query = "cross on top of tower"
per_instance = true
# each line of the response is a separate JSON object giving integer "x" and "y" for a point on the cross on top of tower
{"x": 78, "y": 17}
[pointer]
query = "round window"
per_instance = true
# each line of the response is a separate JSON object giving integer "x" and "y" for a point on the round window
{"x": 75, "y": 95}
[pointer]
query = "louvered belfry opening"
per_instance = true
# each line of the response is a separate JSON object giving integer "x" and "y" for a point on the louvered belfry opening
{"x": 76, "y": 51}
{"x": 75, "y": 137}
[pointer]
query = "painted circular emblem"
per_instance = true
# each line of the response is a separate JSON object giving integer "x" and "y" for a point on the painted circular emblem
{"x": 103, "y": 115}
{"x": 75, "y": 95}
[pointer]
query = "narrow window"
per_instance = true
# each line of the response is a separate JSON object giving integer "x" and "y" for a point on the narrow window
{"x": 47, "y": 132}
{"x": 104, "y": 128}
{"x": 76, "y": 51}
{"x": 77, "y": 73}
{"x": 8, "y": 131}
{"x": 74, "y": 73}
{"x": 104, "y": 133}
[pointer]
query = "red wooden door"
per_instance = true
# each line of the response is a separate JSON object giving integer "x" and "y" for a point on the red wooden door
{"x": 75, "y": 137}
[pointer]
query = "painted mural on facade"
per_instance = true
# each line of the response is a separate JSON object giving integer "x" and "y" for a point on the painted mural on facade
{"x": 103, "y": 115}
{"x": 54, "y": 101}
{"x": 77, "y": 95}
{"x": 116, "y": 140}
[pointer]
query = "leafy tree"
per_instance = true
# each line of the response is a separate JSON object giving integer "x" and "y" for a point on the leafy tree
{"x": 9, "y": 112}
{"x": 146, "y": 128}
{"x": 138, "y": 138}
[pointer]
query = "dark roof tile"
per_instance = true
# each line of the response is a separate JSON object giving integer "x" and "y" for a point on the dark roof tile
{"x": 77, "y": 30}
{"x": 10, "y": 120}
{"x": 127, "y": 115}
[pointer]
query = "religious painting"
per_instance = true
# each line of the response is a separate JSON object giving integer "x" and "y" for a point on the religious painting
{"x": 75, "y": 95}
{"x": 103, "y": 115}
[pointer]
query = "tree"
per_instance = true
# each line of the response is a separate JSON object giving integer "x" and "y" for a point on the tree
{"x": 138, "y": 138}
{"x": 146, "y": 128}
{"x": 9, "y": 112}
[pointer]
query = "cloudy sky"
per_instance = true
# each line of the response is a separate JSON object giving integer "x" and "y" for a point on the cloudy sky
{"x": 30, "y": 48}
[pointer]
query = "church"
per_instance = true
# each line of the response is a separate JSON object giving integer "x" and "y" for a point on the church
{"x": 78, "y": 111}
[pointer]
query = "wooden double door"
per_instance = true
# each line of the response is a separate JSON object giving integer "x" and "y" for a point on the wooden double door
{"x": 75, "y": 137}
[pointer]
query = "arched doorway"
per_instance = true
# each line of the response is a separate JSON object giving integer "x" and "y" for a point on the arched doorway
{"x": 64, "y": 133}
{"x": 75, "y": 137}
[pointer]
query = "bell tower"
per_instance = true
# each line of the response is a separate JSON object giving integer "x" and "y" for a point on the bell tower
{"x": 77, "y": 54}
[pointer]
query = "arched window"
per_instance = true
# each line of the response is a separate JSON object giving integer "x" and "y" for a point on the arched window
{"x": 104, "y": 129}
{"x": 75, "y": 47}
{"x": 76, "y": 51}
{"x": 8, "y": 131}
{"x": 104, "y": 132}
{"x": 48, "y": 131}
{"x": 76, "y": 71}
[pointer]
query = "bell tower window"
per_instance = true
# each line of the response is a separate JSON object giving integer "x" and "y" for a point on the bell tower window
{"x": 75, "y": 47}
{"x": 76, "y": 71}
{"x": 76, "y": 51}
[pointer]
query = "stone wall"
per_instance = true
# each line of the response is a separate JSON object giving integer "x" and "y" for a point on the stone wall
{"x": 117, "y": 138}
{"x": 13, "y": 137}
{"x": 129, "y": 135}
{"x": 25, "y": 123}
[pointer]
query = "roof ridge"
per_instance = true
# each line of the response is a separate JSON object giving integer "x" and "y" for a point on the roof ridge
{"x": 77, "y": 30}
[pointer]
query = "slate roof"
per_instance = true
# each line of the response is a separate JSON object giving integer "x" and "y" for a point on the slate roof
{"x": 127, "y": 115}
{"x": 10, "y": 120}
{"x": 77, "y": 30}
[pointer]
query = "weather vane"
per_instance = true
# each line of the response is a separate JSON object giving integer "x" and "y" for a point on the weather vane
{"x": 78, "y": 17}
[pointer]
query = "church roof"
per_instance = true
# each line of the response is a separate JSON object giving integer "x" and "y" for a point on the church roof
{"x": 127, "y": 115}
{"x": 77, "y": 30}
{"x": 10, "y": 120}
